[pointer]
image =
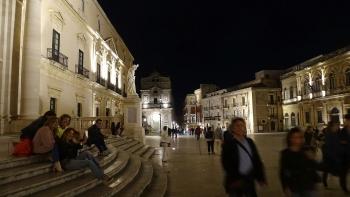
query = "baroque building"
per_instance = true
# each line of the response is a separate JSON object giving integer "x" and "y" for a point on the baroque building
{"x": 317, "y": 91}
{"x": 60, "y": 55}
{"x": 157, "y": 103}
{"x": 257, "y": 101}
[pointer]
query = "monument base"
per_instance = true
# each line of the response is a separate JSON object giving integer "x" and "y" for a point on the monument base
{"x": 132, "y": 118}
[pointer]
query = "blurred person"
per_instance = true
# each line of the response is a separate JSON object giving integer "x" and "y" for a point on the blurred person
{"x": 344, "y": 153}
{"x": 297, "y": 167}
{"x": 44, "y": 142}
{"x": 29, "y": 131}
{"x": 197, "y": 132}
{"x": 63, "y": 123}
{"x": 165, "y": 143}
{"x": 209, "y": 137}
{"x": 68, "y": 146}
{"x": 218, "y": 137}
{"x": 331, "y": 151}
{"x": 241, "y": 161}
{"x": 96, "y": 137}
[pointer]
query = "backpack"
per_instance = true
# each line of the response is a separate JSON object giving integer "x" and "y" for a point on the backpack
{"x": 209, "y": 135}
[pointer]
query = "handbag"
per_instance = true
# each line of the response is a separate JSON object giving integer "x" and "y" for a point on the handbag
{"x": 23, "y": 148}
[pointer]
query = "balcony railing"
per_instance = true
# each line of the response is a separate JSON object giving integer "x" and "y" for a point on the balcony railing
{"x": 118, "y": 90}
{"x": 110, "y": 86}
{"x": 101, "y": 81}
{"x": 55, "y": 55}
{"x": 79, "y": 69}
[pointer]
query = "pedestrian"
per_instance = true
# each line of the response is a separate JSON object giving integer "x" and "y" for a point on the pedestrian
{"x": 344, "y": 153}
{"x": 197, "y": 132}
{"x": 298, "y": 167}
{"x": 165, "y": 143}
{"x": 209, "y": 136}
{"x": 241, "y": 161}
{"x": 113, "y": 129}
{"x": 331, "y": 151}
{"x": 218, "y": 139}
{"x": 96, "y": 137}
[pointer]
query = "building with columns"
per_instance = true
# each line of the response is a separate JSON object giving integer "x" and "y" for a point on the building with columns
{"x": 60, "y": 55}
{"x": 317, "y": 91}
{"x": 157, "y": 103}
{"x": 257, "y": 101}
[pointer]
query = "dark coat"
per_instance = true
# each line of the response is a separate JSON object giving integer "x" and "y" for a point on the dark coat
{"x": 95, "y": 135}
{"x": 30, "y": 130}
{"x": 297, "y": 171}
{"x": 68, "y": 150}
{"x": 230, "y": 162}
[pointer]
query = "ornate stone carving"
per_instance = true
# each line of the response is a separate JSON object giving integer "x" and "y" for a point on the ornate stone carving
{"x": 131, "y": 89}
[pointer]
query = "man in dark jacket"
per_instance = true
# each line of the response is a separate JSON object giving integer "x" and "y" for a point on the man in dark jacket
{"x": 97, "y": 138}
{"x": 241, "y": 161}
{"x": 29, "y": 131}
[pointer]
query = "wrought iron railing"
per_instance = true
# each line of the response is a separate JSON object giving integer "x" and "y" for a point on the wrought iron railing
{"x": 110, "y": 86}
{"x": 79, "y": 69}
{"x": 55, "y": 55}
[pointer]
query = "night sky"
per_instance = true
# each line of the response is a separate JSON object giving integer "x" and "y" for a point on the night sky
{"x": 225, "y": 42}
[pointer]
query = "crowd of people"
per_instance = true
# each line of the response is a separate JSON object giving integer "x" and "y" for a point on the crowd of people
{"x": 52, "y": 136}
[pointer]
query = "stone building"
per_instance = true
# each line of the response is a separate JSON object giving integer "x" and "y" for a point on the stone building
{"x": 157, "y": 102}
{"x": 257, "y": 101}
{"x": 190, "y": 111}
{"x": 61, "y": 55}
{"x": 317, "y": 91}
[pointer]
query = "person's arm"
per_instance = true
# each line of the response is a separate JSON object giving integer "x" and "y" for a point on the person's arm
{"x": 284, "y": 172}
{"x": 260, "y": 176}
{"x": 47, "y": 139}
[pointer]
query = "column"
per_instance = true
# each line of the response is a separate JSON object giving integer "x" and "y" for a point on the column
{"x": 30, "y": 84}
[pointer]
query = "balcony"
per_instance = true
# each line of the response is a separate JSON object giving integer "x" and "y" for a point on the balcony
{"x": 56, "y": 56}
{"x": 110, "y": 86}
{"x": 101, "y": 81}
{"x": 79, "y": 69}
{"x": 118, "y": 90}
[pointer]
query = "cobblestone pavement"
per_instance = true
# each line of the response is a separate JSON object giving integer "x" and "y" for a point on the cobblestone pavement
{"x": 192, "y": 172}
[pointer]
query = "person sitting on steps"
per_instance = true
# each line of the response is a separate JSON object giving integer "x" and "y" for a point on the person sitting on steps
{"x": 96, "y": 137}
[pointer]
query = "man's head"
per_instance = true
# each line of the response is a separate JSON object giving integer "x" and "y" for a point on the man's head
{"x": 238, "y": 127}
{"x": 49, "y": 114}
{"x": 98, "y": 123}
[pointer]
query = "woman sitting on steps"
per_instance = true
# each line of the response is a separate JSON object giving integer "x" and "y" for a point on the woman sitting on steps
{"x": 69, "y": 146}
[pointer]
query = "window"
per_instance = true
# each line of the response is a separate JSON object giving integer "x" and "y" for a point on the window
{"x": 55, "y": 45}
{"x": 331, "y": 81}
{"x": 97, "y": 111}
{"x": 307, "y": 117}
{"x": 53, "y": 104}
{"x": 347, "y": 77}
{"x": 109, "y": 77}
{"x": 291, "y": 92}
{"x": 79, "y": 109}
{"x": 285, "y": 93}
{"x": 233, "y": 102}
{"x": 83, "y": 5}
{"x": 292, "y": 120}
{"x": 155, "y": 100}
{"x": 319, "y": 117}
{"x": 272, "y": 100}
{"x": 81, "y": 62}
{"x": 98, "y": 25}
{"x": 116, "y": 80}
{"x": 225, "y": 101}
{"x": 243, "y": 100}
{"x": 317, "y": 84}
{"x": 98, "y": 73}
{"x": 108, "y": 111}
{"x": 286, "y": 120}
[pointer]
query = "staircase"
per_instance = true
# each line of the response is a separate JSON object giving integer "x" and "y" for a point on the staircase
{"x": 133, "y": 172}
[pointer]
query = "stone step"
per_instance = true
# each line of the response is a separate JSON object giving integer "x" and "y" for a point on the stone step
{"x": 44, "y": 181}
{"x": 141, "y": 151}
{"x": 135, "y": 148}
{"x": 21, "y": 161}
{"x": 121, "y": 143}
{"x": 159, "y": 184}
{"x": 120, "y": 181}
{"x": 87, "y": 181}
{"x": 128, "y": 145}
{"x": 141, "y": 181}
{"x": 149, "y": 153}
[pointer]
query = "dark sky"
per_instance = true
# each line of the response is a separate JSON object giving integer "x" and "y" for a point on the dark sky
{"x": 225, "y": 42}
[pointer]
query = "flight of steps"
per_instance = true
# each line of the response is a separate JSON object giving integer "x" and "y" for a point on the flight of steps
{"x": 133, "y": 172}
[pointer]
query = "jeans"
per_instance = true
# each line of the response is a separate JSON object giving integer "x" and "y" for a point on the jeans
{"x": 84, "y": 160}
{"x": 55, "y": 154}
{"x": 210, "y": 146}
{"x": 100, "y": 144}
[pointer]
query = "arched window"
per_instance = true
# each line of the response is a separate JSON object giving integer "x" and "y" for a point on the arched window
{"x": 347, "y": 77}
{"x": 292, "y": 120}
{"x": 291, "y": 92}
{"x": 331, "y": 81}
{"x": 317, "y": 84}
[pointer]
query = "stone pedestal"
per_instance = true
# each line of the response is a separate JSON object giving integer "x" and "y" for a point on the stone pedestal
{"x": 132, "y": 118}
